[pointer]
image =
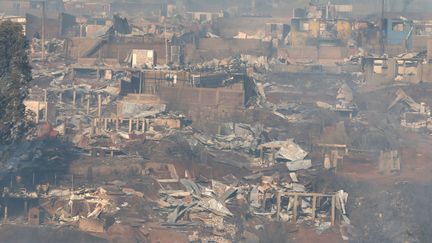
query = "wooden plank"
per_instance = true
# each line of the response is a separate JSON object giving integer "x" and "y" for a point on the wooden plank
{"x": 306, "y": 194}
{"x": 295, "y": 208}
{"x": 314, "y": 199}
{"x": 332, "y": 210}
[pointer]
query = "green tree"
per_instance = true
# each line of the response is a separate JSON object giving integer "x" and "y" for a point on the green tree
{"x": 15, "y": 77}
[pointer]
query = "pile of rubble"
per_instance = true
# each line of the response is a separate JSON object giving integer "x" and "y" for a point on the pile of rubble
{"x": 235, "y": 137}
{"x": 277, "y": 197}
{"x": 413, "y": 115}
{"x": 54, "y": 49}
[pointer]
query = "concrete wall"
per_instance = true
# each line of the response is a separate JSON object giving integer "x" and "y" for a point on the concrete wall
{"x": 15, "y": 7}
{"x": 420, "y": 42}
{"x": 394, "y": 50}
{"x": 122, "y": 50}
{"x": 76, "y": 47}
{"x": 142, "y": 99}
{"x": 22, "y": 7}
{"x": 143, "y": 58}
{"x": 34, "y": 25}
{"x": 236, "y": 45}
{"x": 424, "y": 72}
{"x": 133, "y": 104}
{"x": 39, "y": 107}
{"x": 421, "y": 73}
{"x": 206, "y": 16}
{"x": 83, "y": 8}
{"x": 151, "y": 80}
{"x": 210, "y": 48}
{"x": 299, "y": 53}
{"x": 172, "y": 123}
{"x": 144, "y": 7}
{"x": 313, "y": 53}
{"x": 203, "y": 104}
{"x": 230, "y": 27}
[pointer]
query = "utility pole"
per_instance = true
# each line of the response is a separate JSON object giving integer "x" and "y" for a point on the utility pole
{"x": 381, "y": 40}
{"x": 43, "y": 32}
{"x": 253, "y": 7}
{"x": 166, "y": 44}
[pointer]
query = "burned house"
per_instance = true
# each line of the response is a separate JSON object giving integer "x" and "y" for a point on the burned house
{"x": 16, "y": 19}
{"x": 277, "y": 30}
{"x": 407, "y": 67}
{"x": 206, "y": 16}
{"x": 415, "y": 115}
{"x": 91, "y": 8}
{"x": 402, "y": 34}
{"x": 22, "y": 7}
{"x": 204, "y": 97}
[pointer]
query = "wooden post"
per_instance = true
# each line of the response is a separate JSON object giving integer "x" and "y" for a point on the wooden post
{"x": 74, "y": 97}
{"x": 46, "y": 111}
{"x": 332, "y": 210}
{"x": 117, "y": 124}
{"x": 341, "y": 163}
{"x": 105, "y": 120}
{"x": 25, "y": 206}
{"x": 262, "y": 154}
{"x": 335, "y": 160}
{"x": 46, "y": 104}
{"x": 5, "y": 216}
{"x": 143, "y": 125}
{"x": 37, "y": 112}
{"x": 43, "y": 32}
{"x": 130, "y": 125}
{"x": 90, "y": 174}
{"x": 82, "y": 99}
{"x": 278, "y": 202}
{"x": 273, "y": 151}
{"x": 80, "y": 125}
{"x": 99, "y": 105}
{"x": 96, "y": 125}
{"x": 314, "y": 198}
{"x": 88, "y": 105}
{"x": 295, "y": 208}
{"x": 140, "y": 91}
